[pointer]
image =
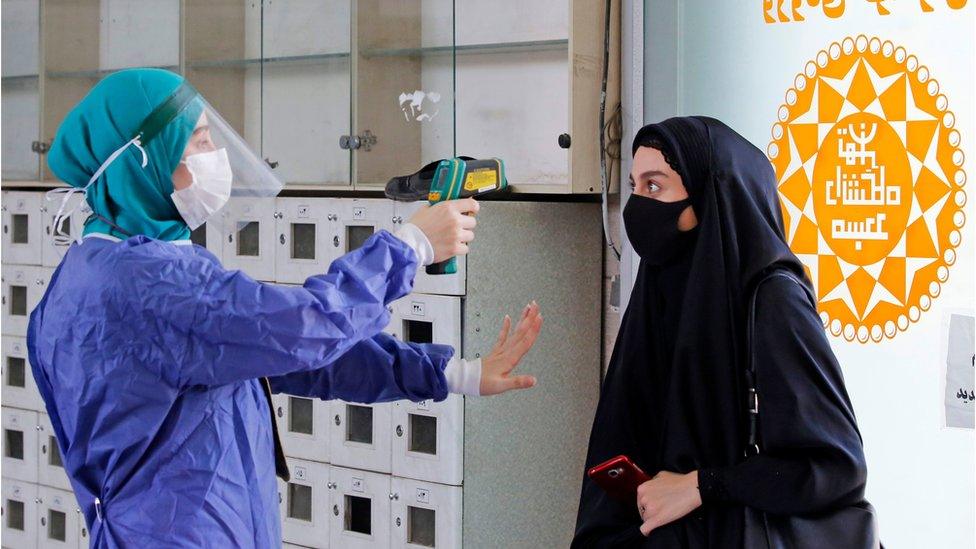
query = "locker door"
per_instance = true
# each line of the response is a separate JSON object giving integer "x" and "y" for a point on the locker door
{"x": 73, "y": 226}
{"x": 453, "y": 284}
{"x": 425, "y": 514}
{"x": 19, "y": 388}
{"x": 304, "y": 504}
{"x": 19, "y": 513}
{"x": 428, "y": 440}
{"x": 360, "y": 509}
{"x": 22, "y": 227}
{"x": 360, "y": 435}
{"x": 58, "y": 519}
{"x": 50, "y": 464}
{"x": 304, "y": 226}
{"x": 303, "y": 424}
{"x": 210, "y": 237}
{"x": 356, "y": 220}
{"x": 248, "y": 243}
{"x": 20, "y": 444}
{"x": 18, "y": 288}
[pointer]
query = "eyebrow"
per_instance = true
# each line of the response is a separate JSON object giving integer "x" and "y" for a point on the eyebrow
{"x": 653, "y": 173}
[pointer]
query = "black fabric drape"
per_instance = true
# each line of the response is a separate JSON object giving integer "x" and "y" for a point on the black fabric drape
{"x": 673, "y": 398}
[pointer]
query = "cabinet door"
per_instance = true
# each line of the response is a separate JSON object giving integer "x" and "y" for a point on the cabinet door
{"x": 19, "y": 388}
{"x": 58, "y": 519}
{"x": 303, "y": 424}
{"x": 304, "y": 504}
{"x": 360, "y": 511}
{"x": 403, "y": 87}
{"x": 304, "y": 238}
{"x": 21, "y": 115}
{"x": 19, "y": 444}
{"x": 425, "y": 514}
{"x": 360, "y": 435}
{"x": 305, "y": 88}
{"x": 22, "y": 232}
{"x": 19, "y": 513}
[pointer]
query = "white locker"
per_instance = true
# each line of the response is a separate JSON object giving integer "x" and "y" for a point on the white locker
{"x": 73, "y": 226}
{"x": 446, "y": 284}
{"x": 356, "y": 219}
{"x": 428, "y": 441}
{"x": 19, "y": 388}
{"x": 304, "y": 504}
{"x": 303, "y": 424}
{"x": 421, "y": 318}
{"x": 19, "y": 513}
{"x": 23, "y": 288}
{"x": 360, "y": 509}
{"x": 248, "y": 233}
{"x": 208, "y": 235}
{"x": 20, "y": 444}
{"x": 425, "y": 514}
{"x": 50, "y": 464}
{"x": 306, "y": 239}
{"x": 22, "y": 227}
{"x": 58, "y": 519}
{"x": 360, "y": 435}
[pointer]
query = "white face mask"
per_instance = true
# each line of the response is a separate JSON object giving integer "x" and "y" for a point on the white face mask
{"x": 210, "y": 190}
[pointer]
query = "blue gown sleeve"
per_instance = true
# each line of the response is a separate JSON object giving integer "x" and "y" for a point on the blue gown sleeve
{"x": 222, "y": 326}
{"x": 380, "y": 369}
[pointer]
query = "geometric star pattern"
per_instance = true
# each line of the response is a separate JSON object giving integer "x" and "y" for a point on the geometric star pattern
{"x": 871, "y": 181}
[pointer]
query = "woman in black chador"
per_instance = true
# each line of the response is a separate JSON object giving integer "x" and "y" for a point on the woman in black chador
{"x": 706, "y": 222}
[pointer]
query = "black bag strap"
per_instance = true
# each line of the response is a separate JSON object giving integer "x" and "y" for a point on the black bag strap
{"x": 754, "y": 442}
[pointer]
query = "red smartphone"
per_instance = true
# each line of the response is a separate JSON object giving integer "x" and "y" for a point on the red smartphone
{"x": 619, "y": 477}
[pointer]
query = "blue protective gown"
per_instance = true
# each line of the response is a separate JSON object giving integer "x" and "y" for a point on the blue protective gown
{"x": 149, "y": 357}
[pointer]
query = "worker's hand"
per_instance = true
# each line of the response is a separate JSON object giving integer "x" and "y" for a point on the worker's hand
{"x": 447, "y": 227}
{"x": 666, "y": 498}
{"x": 497, "y": 367}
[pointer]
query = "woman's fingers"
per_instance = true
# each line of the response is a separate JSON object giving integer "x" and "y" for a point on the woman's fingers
{"x": 503, "y": 334}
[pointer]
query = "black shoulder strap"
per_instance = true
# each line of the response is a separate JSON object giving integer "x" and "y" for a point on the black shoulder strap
{"x": 753, "y": 443}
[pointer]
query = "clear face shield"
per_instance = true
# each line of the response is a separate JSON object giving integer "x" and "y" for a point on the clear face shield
{"x": 218, "y": 165}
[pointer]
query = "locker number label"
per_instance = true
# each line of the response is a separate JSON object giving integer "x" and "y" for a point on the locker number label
{"x": 418, "y": 308}
{"x": 423, "y": 496}
{"x": 358, "y": 485}
{"x": 303, "y": 212}
{"x": 300, "y": 473}
{"x": 359, "y": 213}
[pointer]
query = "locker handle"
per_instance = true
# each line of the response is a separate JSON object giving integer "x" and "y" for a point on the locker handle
{"x": 43, "y": 448}
{"x": 331, "y": 486}
{"x": 43, "y": 521}
{"x": 399, "y": 430}
{"x": 281, "y": 413}
{"x": 394, "y": 497}
{"x": 335, "y": 510}
{"x": 337, "y": 420}
{"x": 282, "y": 239}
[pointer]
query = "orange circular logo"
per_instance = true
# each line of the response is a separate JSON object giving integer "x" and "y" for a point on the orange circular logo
{"x": 870, "y": 175}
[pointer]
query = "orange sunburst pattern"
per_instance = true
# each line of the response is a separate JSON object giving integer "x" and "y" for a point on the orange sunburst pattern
{"x": 870, "y": 175}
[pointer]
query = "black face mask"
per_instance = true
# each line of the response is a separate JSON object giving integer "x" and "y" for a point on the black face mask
{"x": 652, "y": 227}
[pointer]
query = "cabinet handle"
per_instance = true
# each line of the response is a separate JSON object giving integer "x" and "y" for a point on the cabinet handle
{"x": 271, "y": 163}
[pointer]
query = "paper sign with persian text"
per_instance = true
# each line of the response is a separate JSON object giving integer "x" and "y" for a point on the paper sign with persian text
{"x": 960, "y": 398}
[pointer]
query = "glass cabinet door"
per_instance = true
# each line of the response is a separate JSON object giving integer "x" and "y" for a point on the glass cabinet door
{"x": 222, "y": 60}
{"x": 21, "y": 116}
{"x": 306, "y": 90}
{"x": 403, "y": 88}
{"x": 85, "y": 40}
{"x": 513, "y": 81}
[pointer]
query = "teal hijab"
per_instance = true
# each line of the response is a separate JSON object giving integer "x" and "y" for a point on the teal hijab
{"x": 127, "y": 195}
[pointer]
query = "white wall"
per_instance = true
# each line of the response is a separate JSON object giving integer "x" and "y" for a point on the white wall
{"x": 722, "y": 59}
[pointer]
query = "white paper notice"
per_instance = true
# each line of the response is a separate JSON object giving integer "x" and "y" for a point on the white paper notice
{"x": 960, "y": 379}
